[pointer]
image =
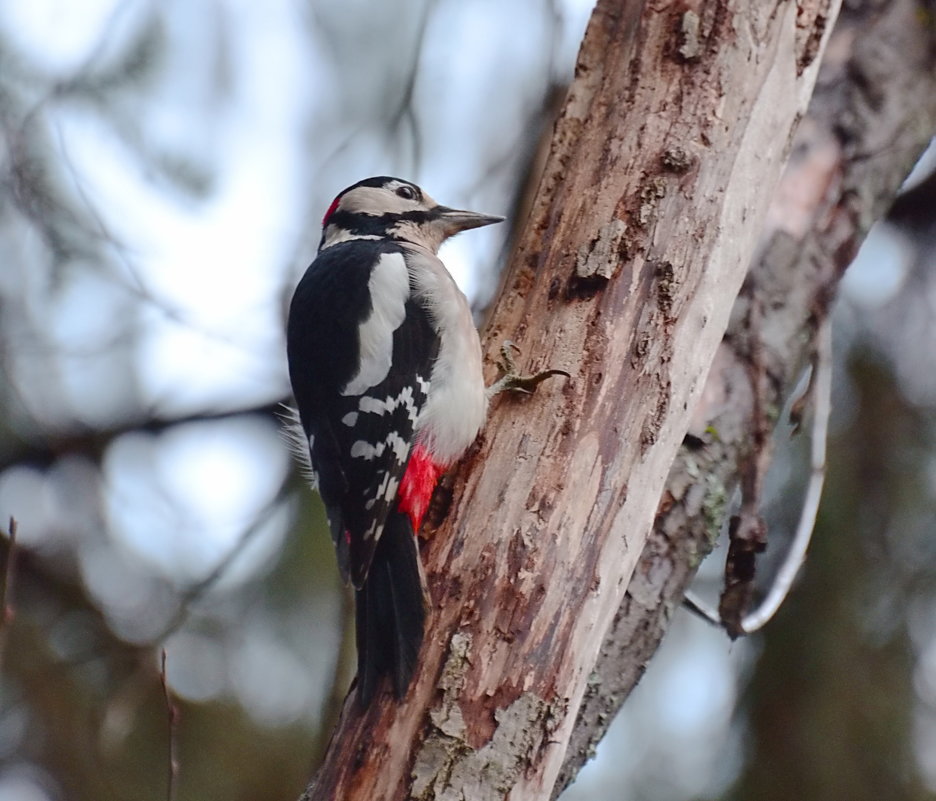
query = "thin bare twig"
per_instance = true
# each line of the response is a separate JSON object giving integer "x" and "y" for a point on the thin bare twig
{"x": 173, "y": 710}
{"x": 199, "y": 588}
{"x": 821, "y": 385}
{"x": 822, "y": 407}
{"x": 7, "y": 611}
{"x": 747, "y": 531}
{"x": 6, "y": 592}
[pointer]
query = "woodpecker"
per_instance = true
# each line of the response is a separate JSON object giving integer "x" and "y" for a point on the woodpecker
{"x": 385, "y": 366}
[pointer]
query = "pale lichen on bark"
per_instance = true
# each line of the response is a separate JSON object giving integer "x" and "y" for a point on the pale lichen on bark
{"x": 448, "y": 768}
{"x": 446, "y": 743}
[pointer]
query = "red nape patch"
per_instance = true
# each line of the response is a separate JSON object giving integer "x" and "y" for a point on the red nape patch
{"x": 419, "y": 481}
{"x": 331, "y": 210}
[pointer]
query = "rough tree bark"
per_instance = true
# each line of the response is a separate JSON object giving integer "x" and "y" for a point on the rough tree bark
{"x": 872, "y": 114}
{"x": 672, "y": 139}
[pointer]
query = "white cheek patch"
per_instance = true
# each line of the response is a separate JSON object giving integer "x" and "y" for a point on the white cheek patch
{"x": 364, "y": 200}
{"x": 389, "y": 291}
{"x": 375, "y": 200}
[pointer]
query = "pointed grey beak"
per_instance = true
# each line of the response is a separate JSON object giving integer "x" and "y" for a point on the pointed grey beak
{"x": 453, "y": 220}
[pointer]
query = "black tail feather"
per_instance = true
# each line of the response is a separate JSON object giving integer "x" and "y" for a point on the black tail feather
{"x": 391, "y": 611}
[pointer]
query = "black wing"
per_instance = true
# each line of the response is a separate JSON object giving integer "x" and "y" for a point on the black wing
{"x": 360, "y": 443}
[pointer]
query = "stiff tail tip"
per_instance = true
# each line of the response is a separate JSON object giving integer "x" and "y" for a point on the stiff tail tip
{"x": 390, "y": 610}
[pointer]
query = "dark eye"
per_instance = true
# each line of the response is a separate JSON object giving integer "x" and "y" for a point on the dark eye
{"x": 406, "y": 192}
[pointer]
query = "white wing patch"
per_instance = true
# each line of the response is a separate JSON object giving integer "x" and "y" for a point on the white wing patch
{"x": 368, "y": 451}
{"x": 387, "y": 489}
{"x": 371, "y": 405}
{"x": 389, "y": 291}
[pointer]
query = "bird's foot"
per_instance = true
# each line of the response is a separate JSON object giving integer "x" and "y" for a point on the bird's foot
{"x": 510, "y": 379}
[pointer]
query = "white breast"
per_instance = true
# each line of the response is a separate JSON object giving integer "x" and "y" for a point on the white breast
{"x": 457, "y": 404}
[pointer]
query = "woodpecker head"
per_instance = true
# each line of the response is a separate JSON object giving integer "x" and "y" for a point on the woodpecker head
{"x": 391, "y": 208}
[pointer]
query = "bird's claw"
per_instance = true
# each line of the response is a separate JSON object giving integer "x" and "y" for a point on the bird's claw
{"x": 510, "y": 379}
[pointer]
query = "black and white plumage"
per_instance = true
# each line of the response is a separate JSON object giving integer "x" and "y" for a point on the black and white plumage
{"x": 385, "y": 365}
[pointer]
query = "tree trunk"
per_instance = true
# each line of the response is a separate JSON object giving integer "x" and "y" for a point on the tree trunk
{"x": 873, "y": 113}
{"x": 672, "y": 139}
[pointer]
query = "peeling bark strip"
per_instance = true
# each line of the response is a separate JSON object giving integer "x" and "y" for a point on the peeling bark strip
{"x": 551, "y": 513}
{"x": 598, "y": 261}
{"x": 872, "y": 115}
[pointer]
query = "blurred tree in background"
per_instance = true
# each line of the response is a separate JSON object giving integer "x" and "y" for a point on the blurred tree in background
{"x": 164, "y": 167}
